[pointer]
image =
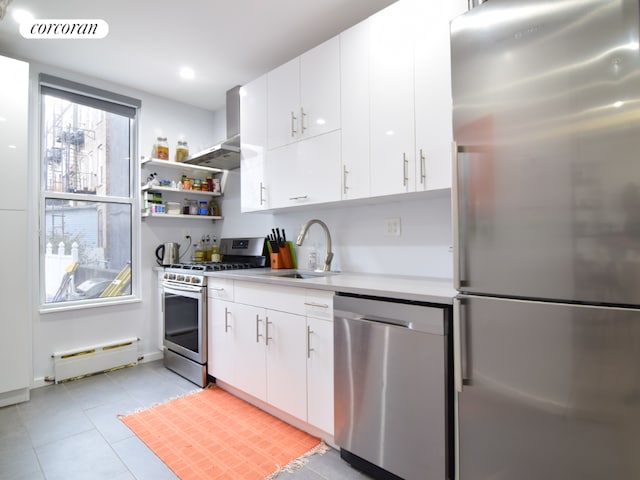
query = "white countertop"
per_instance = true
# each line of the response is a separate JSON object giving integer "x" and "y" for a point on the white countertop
{"x": 422, "y": 289}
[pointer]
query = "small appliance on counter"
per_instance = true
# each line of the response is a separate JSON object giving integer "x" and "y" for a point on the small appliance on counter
{"x": 168, "y": 253}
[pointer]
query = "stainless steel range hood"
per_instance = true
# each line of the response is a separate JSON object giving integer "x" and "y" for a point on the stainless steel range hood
{"x": 225, "y": 155}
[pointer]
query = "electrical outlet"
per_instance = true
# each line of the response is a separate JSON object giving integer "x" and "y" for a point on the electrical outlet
{"x": 392, "y": 227}
{"x": 186, "y": 234}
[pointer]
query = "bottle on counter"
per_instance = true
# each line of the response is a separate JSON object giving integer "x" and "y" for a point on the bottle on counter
{"x": 182, "y": 150}
{"x": 162, "y": 148}
{"x": 215, "y": 251}
{"x": 199, "y": 255}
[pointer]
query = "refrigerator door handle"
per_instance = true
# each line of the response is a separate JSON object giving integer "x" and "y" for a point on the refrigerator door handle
{"x": 455, "y": 212}
{"x": 459, "y": 346}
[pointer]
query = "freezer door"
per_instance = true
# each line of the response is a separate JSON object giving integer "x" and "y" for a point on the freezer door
{"x": 547, "y": 121}
{"x": 550, "y": 391}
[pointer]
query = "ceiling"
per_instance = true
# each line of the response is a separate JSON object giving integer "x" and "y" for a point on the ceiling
{"x": 226, "y": 42}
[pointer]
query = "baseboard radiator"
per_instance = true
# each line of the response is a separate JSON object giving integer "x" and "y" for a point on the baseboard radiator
{"x": 95, "y": 359}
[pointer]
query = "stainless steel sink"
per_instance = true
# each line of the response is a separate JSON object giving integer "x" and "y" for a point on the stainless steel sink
{"x": 299, "y": 275}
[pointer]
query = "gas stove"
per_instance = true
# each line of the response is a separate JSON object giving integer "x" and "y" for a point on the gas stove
{"x": 237, "y": 254}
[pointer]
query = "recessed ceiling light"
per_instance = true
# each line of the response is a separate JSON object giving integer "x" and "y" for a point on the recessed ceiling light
{"x": 13, "y": 147}
{"x": 187, "y": 73}
{"x": 2, "y": 119}
{"x": 21, "y": 15}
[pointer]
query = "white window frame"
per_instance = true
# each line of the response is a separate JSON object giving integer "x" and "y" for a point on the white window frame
{"x": 98, "y": 98}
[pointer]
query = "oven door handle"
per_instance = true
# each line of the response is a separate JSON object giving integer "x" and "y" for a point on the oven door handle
{"x": 182, "y": 289}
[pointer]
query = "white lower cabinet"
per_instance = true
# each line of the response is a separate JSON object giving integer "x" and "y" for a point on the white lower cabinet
{"x": 15, "y": 342}
{"x": 276, "y": 344}
{"x": 286, "y": 372}
{"x": 320, "y": 373}
{"x": 221, "y": 341}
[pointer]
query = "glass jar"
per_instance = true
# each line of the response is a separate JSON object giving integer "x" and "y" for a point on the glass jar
{"x": 196, "y": 184}
{"x": 162, "y": 148}
{"x": 182, "y": 150}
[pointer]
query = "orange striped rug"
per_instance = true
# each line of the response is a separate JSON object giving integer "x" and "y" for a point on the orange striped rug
{"x": 213, "y": 435}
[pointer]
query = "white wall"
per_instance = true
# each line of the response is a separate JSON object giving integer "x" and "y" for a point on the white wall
{"x": 77, "y": 328}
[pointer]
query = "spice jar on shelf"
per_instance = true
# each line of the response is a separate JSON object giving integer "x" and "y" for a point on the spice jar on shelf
{"x": 162, "y": 148}
{"x": 182, "y": 150}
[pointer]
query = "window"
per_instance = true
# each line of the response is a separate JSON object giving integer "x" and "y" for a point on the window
{"x": 88, "y": 199}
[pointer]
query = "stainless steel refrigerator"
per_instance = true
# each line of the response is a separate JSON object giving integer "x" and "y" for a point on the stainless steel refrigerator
{"x": 546, "y": 203}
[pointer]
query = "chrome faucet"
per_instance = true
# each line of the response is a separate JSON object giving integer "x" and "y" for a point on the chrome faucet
{"x": 303, "y": 232}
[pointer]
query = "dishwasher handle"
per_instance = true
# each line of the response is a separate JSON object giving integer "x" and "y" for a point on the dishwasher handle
{"x": 433, "y": 325}
{"x": 385, "y": 321}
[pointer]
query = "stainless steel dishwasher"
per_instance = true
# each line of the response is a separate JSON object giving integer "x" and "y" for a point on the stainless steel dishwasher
{"x": 392, "y": 387}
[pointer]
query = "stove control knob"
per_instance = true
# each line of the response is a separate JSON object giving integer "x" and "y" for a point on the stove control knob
{"x": 180, "y": 278}
{"x": 195, "y": 280}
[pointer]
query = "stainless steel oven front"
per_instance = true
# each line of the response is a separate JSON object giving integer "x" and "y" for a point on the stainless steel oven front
{"x": 184, "y": 310}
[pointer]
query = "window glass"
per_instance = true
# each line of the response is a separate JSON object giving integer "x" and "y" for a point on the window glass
{"x": 87, "y": 198}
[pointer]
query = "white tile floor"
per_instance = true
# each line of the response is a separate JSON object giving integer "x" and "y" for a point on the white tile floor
{"x": 71, "y": 431}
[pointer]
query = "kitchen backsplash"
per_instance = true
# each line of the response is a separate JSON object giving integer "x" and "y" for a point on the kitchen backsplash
{"x": 358, "y": 232}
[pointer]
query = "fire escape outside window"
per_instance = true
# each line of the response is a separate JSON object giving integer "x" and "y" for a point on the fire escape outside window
{"x": 89, "y": 222}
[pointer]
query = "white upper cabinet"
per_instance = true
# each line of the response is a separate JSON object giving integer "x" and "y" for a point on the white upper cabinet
{"x": 253, "y": 151}
{"x": 354, "y": 98}
{"x": 305, "y": 172}
{"x": 304, "y": 95}
{"x": 433, "y": 102}
{"x": 392, "y": 102}
{"x": 284, "y": 104}
{"x": 320, "y": 89}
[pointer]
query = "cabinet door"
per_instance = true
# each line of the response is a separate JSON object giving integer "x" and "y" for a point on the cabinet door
{"x": 253, "y": 137}
{"x": 15, "y": 343}
{"x": 433, "y": 103}
{"x": 392, "y": 100}
{"x": 283, "y": 104}
{"x": 320, "y": 373}
{"x": 305, "y": 172}
{"x": 14, "y": 98}
{"x": 286, "y": 371}
{"x": 251, "y": 371}
{"x": 320, "y": 89}
{"x": 354, "y": 93}
{"x": 222, "y": 323}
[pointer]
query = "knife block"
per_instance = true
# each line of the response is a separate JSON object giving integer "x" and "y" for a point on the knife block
{"x": 283, "y": 258}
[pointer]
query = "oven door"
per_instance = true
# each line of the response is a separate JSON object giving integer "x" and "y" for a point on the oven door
{"x": 185, "y": 323}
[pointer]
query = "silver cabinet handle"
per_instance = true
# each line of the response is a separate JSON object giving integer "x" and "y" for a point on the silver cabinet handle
{"x": 312, "y": 304}
{"x": 267, "y": 337}
{"x": 405, "y": 169}
{"x": 293, "y": 125}
{"x": 258, "y": 328}
{"x": 309, "y": 349}
{"x": 301, "y": 197}
{"x": 344, "y": 179}
{"x": 226, "y": 321}
{"x": 217, "y": 289}
{"x": 262, "y": 189}
{"x": 423, "y": 167}
{"x": 455, "y": 214}
{"x": 302, "y": 115}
